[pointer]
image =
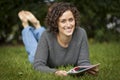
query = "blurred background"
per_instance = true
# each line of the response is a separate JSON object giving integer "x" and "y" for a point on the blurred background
{"x": 100, "y": 18}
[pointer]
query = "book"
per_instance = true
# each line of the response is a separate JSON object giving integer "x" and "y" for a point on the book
{"x": 81, "y": 69}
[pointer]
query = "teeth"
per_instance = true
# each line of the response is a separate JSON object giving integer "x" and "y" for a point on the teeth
{"x": 68, "y": 30}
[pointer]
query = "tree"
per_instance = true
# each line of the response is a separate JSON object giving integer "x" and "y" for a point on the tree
{"x": 94, "y": 17}
{"x": 10, "y": 24}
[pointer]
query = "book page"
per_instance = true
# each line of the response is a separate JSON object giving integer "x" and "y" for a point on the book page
{"x": 80, "y": 69}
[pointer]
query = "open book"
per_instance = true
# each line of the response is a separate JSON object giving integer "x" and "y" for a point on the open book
{"x": 81, "y": 69}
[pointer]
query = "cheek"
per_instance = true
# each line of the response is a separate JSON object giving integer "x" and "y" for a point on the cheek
{"x": 60, "y": 25}
{"x": 61, "y": 29}
{"x": 74, "y": 23}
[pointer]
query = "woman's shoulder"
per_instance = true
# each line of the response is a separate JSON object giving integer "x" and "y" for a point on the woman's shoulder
{"x": 47, "y": 34}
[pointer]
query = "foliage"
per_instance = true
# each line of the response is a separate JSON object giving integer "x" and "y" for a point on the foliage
{"x": 93, "y": 17}
{"x": 14, "y": 64}
{"x": 10, "y": 24}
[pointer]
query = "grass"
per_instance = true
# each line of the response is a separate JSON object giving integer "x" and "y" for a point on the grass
{"x": 14, "y": 64}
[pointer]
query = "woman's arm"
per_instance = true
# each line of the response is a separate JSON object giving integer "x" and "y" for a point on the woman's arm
{"x": 41, "y": 56}
{"x": 84, "y": 50}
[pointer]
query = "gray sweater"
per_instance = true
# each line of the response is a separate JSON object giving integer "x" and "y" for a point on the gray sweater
{"x": 50, "y": 55}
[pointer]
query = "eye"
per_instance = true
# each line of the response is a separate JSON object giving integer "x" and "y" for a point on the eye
{"x": 71, "y": 19}
{"x": 63, "y": 21}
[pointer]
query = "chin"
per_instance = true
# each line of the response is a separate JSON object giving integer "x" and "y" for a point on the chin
{"x": 69, "y": 34}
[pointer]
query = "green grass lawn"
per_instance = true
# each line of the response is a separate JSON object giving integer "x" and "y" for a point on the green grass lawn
{"x": 14, "y": 64}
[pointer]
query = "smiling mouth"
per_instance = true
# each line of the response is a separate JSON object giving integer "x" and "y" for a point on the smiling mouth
{"x": 68, "y": 29}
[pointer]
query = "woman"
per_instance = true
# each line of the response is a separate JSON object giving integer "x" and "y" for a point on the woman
{"x": 63, "y": 43}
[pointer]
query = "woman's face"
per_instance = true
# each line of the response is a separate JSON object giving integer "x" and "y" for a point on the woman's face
{"x": 66, "y": 23}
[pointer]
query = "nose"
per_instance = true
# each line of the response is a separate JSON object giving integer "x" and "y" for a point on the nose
{"x": 68, "y": 24}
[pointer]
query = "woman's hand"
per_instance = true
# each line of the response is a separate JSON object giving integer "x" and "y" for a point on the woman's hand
{"x": 61, "y": 73}
{"x": 93, "y": 71}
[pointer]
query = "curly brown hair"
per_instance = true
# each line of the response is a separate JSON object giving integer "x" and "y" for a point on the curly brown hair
{"x": 55, "y": 11}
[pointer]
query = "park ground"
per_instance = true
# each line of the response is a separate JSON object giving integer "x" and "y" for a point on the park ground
{"x": 14, "y": 64}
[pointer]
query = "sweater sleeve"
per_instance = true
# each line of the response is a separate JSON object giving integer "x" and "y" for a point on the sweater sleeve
{"x": 84, "y": 51}
{"x": 41, "y": 56}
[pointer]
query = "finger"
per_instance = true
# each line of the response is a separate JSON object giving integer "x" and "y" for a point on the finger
{"x": 95, "y": 69}
{"x": 92, "y": 72}
{"x": 65, "y": 73}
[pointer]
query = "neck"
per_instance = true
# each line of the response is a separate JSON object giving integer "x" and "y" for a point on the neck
{"x": 64, "y": 40}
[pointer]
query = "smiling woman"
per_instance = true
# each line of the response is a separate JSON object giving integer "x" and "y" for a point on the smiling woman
{"x": 66, "y": 27}
{"x": 63, "y": 43}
